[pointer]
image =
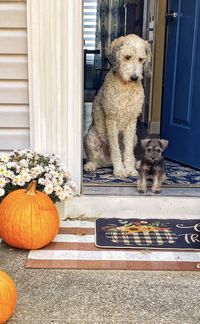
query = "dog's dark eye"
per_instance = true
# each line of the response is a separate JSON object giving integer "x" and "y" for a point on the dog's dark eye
{"x": 141, "y": 59}
{"x": 158, "y": 150}
{"x": 148, "y": 150}
{"x": 127, "y": 57}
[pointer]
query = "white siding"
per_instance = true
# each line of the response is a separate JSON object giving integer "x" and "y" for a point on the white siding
{"x": 13, "y": 65}
{"x": 12, "y": 15}
{"x": 14, "y": 103}
{"x": 13, "y": 41}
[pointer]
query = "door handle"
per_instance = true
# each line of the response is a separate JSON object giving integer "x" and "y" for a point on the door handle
{"x": 172, "y": 15}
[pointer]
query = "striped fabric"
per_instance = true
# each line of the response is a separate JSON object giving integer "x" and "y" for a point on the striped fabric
{"x": 74, "y": 248}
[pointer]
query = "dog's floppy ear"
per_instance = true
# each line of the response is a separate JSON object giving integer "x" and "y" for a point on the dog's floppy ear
{"x": 147, "y": 63}
{"x": 164, "y": 144}
{"x": 145, "y": 142}
{"x": 112, "y": 51}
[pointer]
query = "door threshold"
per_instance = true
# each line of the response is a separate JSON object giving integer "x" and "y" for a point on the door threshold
{"x": 132, "y": 191}
{"x": 94, "y": 206}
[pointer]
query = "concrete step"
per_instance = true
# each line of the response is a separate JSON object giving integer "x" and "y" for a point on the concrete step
{"x": 88, "y": 207}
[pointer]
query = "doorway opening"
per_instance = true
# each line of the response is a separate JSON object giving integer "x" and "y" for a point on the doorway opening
{"x": 105, "y": 21}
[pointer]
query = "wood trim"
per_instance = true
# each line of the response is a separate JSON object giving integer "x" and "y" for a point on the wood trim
{"x": 159, "y": 61}
{"x": 154, "y": 128}
{"x": 56, "y": 79}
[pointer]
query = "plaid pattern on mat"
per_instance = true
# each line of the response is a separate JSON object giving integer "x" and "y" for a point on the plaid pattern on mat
{"x": 148, "y": 239}
{"x": 74, "y": 248}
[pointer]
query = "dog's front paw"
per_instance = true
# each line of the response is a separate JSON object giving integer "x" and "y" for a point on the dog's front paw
{"x": 137, "y": 164}
{"x": 119, "y": 172}
{"x": 90, "y": 167}
{"x": 131, "y": 172}
{"x": 141, "y": 189}
{"x": 156, "y": 189}
{"x": 141, "y": 186}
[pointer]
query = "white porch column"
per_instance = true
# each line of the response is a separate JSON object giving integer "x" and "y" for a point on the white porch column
{"x": 55, "y": 79}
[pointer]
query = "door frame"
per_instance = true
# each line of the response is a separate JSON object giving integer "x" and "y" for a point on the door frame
{"x": 159, "y": 58}
{"x": 55, "y": 27}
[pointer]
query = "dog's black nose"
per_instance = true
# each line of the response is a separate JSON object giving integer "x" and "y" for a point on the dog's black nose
{"x": 134, "y": 77}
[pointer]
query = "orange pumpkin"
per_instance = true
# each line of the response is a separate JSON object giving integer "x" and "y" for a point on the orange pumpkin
{"x": 7, "y": 297}
{"x": 28, "y": 218}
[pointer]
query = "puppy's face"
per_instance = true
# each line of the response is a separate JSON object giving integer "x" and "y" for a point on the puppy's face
{"x": 153, "y": 149}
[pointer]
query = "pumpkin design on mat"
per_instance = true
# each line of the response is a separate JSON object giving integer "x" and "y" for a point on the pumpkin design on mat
{"x": 28, "y": 218}
{"x": 7, "y": 297}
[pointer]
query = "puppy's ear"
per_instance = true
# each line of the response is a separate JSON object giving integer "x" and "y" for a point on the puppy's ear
{"x": 145, "y": 142}
{"x": 112, "y": 51}
{"x": 164, "y": 144}
{"x": 147, "y": 63}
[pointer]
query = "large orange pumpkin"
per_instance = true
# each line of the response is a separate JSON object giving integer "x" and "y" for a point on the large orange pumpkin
{"x": 28, "y": 218}
{"x": 7, "y": 297}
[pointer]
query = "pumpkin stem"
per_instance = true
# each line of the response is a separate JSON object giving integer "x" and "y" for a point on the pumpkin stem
{"x": 31, "y": 189}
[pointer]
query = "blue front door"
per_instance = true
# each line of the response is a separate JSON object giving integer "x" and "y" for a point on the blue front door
{"x": 180, "y": 122}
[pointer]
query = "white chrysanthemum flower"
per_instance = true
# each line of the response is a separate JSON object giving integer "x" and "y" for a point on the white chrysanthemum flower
{"x": 59, "y": 181}
{"x": 67, "y": 175}
{"x": 29, "y": 155}
{"x": 36, "y": 171}
{"x": 2, "y": 182}
{"x": 22, "y": 152}
{"x": 4, "y": 157}
{"x": 2, "y": 192}
{"x": 54, "y": 174}
{"x": 61, "y": 169}
{"x": 23, "y": 163}
{"x": 9, "y": 174}
{"x": 18, "y": 181}
{"x": 25, "y": 176}
{"x": 48, "y": 182}
{"x": 48, "y": 189}
{"x": 62, "y": 196}
{"x": 2, "y": 169}
{"x": 48, "y": 176}
{"x": 18, "y": 168}
{"x": 68, "y": 193}
{"x": 41, "y": 181}
{"x": 57, "y": 159}
{"x": 52, "y": 167}
{"x": 58, "y": 190}
{"x": 39, "y": 169}
{"x": 72, "y": 185}
{"x": 52, "y": 160}
{"x": 11, "y": 165}
{"x": 54, "y": 181}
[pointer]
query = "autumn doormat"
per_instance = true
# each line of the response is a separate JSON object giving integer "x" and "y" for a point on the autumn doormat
{"x": 74, "y": 248}
{"x": 173, "y": 234}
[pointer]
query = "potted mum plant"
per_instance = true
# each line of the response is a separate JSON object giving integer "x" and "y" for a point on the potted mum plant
{"x": 19, "y": 168}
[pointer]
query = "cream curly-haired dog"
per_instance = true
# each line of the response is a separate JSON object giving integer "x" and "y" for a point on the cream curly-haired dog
{"x": 117, "y": 107}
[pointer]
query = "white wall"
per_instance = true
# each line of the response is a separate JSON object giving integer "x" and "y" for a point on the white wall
{"x": 14, "y": 102}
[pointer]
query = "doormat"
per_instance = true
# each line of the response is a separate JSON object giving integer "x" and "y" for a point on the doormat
{"x": 177, "y": 176}
{"x": 173, "y": 234}
{"x": 74, "y": 248}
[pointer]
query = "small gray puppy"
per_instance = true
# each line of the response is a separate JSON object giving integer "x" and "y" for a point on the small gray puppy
{"x": 152, "y": 164}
